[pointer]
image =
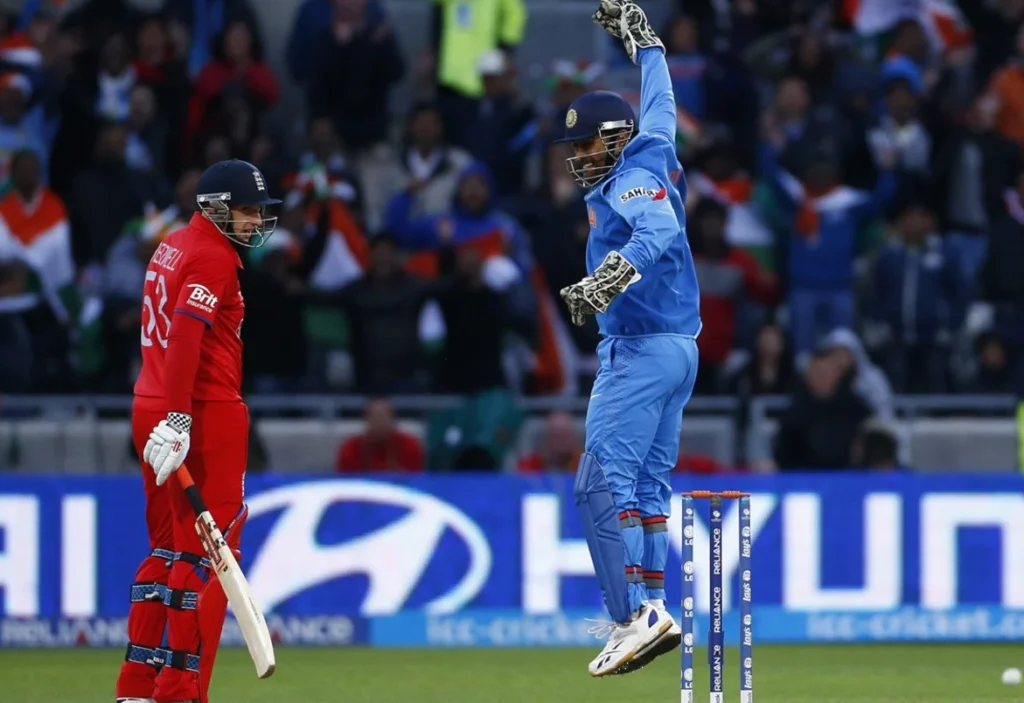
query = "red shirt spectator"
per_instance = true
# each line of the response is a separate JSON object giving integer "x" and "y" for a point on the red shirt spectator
{"x": 559, "y": 449}
{"x": 382, "y": 447}
{"x": 232, "y": 91}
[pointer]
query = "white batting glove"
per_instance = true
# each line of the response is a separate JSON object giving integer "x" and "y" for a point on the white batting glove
{"x": 168, "y": 445}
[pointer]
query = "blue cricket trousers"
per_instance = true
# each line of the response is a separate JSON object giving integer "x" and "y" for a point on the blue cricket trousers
{"x": 633, "y": 425}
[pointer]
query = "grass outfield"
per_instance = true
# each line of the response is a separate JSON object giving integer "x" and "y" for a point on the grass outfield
{"x": 968, "y": 673}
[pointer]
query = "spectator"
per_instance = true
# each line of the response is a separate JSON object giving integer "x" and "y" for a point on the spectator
{"x": 233, "y": 91}
{"x": 559, "y": 228}
{"x": 199, "y": 23}
{"x": 919, "y": 300}
{"x": 728, "y": 278}
{"x": 115, "y": 79}
{"x": 502, "y": 128}
{"x": 900, "y": 132}
{"x": 811, "y": 60}
{"x": 122, "y": 191}
{"x": 769, "y": 371}
{"x": 1001, "y": 278}
{"x": 697, "y": 463}
{"x": 458, "y": 39}
{"x": 358, "y": 61}
{"x": 559, "y": 448}
{"x": 37, "y": 280}
{"x": 973, "y": 167}
{"x": 818, "y": 428}
{"x": 876, "y": 448}
{"x": 1004, "y": 102}
{"x": 687, "y": 65}
{"x": 427, "y": 171}
{"x": 384, "y": 308}
{"x": 484, "y": 258}
{"x": 275, "y": 282}
{"x": 329, "y": 195}
{"x": 716, "y": 174}
{"x": 147, "y": 133}
{"x": 825, "y": 217}
{"x": 381, "y": 447}
{"x": 22, "y": 126}
{"x": 996, "y": 25}
{"x": 324, "y": 169}
{"x": 869, "y": 383}
{"x": 994, "y": 374}
{"x": 160, "y": 66}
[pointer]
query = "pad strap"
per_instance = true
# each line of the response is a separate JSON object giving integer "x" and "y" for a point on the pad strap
{"x": 655, "y": 523}
{"x": 654, "y": 579}
{"x": 158, "y": 592}
{"x": 193, "y": 559}
{"x": 159, "y": 657}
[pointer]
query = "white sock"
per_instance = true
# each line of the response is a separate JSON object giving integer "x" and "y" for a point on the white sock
{"x": 657, "y": 603}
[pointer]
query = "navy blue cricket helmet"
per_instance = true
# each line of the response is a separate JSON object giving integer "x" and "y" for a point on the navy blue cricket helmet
{"x": 603, "y": 114}
{"x": 232, "y": 184}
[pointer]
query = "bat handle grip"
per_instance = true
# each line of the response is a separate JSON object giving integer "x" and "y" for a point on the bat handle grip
{"x": 191, "y": 492}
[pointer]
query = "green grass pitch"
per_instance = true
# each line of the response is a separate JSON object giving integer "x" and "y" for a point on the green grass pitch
{"x": 964, "y": 673}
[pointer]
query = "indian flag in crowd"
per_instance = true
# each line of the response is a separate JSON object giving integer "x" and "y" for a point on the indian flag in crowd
{"x": 942, "y": 20}
{"x": 745, "y": 226}
{"x": 37, "y": 234}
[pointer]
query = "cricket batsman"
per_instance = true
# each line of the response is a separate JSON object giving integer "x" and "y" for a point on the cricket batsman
{"x": 643, "y": 290}
{"x": 188, "y": 404}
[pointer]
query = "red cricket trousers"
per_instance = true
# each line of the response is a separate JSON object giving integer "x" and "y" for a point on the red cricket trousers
{"x": 173, "y": 585}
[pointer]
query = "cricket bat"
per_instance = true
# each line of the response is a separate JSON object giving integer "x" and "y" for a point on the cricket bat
{"x": 232, "y": 580}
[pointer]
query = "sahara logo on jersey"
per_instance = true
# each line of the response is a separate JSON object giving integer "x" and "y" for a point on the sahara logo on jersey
{"x": 641, "y": 192}
{"x": 395, "y": 558}
{"x": 202, "y": 298}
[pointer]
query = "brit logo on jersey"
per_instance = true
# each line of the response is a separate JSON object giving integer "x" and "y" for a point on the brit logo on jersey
{"x": 643, "y": 192}
{"x": 202, "y": 298}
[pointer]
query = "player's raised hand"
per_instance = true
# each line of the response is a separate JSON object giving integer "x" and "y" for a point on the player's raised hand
{"x": 607, "y": 16}
{"x": 168, "y": 445}
{"x": 636, "y": 32}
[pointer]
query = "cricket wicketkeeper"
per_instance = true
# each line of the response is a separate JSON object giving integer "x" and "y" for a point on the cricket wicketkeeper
{"x": 188, "y": 404}
{"x": 643, "y": 289}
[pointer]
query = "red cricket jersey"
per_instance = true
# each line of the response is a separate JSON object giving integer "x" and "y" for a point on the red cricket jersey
{"x": 194, "y": 272}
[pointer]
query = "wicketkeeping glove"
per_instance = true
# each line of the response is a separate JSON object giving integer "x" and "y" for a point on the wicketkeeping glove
{"x": 168, "y": 445}
{"x": 636, "y": 32}
{"x": 595, "y": 293}
{"x": 607, "y": 16}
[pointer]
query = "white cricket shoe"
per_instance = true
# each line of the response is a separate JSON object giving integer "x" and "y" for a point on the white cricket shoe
{"x": 626, "y": 642}
{"x": 135, "y": 700}
{"x": 665, "y": 643}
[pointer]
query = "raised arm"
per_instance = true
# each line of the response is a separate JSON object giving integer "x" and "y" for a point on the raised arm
{"x": 657, "y": 101}
{"x": 627, "y": 22}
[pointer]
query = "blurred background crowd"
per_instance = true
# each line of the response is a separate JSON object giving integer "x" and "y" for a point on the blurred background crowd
{"x": 855, "y": 205}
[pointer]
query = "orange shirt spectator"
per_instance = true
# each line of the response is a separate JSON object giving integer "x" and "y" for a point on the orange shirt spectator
{"x": 1005, "y": 100}
{"x": 382, "y": 446}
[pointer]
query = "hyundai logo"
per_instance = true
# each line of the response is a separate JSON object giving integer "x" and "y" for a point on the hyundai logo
{"x": 392, "y": 558}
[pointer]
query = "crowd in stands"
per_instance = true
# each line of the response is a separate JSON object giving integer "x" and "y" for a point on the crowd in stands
{"x": 854, "y": 179}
